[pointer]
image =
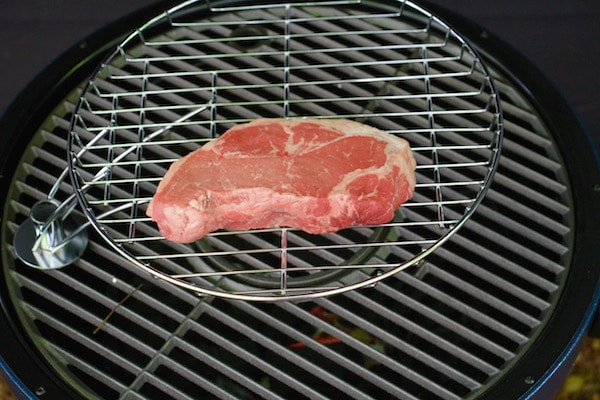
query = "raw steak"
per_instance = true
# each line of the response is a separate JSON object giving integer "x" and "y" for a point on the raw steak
{"x": 315, "y": 175}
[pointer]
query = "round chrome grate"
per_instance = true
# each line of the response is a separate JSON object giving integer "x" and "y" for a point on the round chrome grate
{"x": 191, "y": 73}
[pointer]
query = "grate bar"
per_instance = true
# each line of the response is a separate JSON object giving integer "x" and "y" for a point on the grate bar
{"x": 118, "y": 74}
{"x": 517, "y": 248}
{"x": 85, "y": 340}
{"x": 435, "y": 363}
{"x": 273, "y": 230}
{"x": 451, "y": 326}
{"x": 175, "y": 340}
{"x": 87, "y": 368}
{"x": 276, "y": 37}
{"x": 300, "y": 85}
{"x": 233, "y": 374}
{"x": 164, "y": 386}
{"x": 462, "y": 308}
{"x": 357, "y": 370}
{"x": 280, "y": 102}
{"x": 282, "y": 351}
{"x": 226, "y": 9}
{"x": 198, "y": 57}
{"x": 284, "y": 268}
{"x": 278, "y": 249}
{"x": 430, "y": 386}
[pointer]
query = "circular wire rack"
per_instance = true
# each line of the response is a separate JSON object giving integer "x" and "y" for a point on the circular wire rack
{"x": 194, "y": 71}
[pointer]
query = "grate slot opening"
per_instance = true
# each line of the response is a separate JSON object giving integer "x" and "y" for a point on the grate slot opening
{"x": 97, "y": 363}
{"x": 100, "y": 388}
{"x": 526, "y": 276}
{"x": 505, "y": 339}
{"x": 212, "y": 372}
{"x": 168, "y": 323}
{"x": 79, "y": 327}
{"x": 533, "y": 184}
{"x": 151, "y": 392}
{"x": 326, "y": 353}
{"x": 63, "y": 293}
{"x": 538, "y": 230}
{"x": 463, "y": 297}
{"x": 371, "y": 323}
{"x": 441, "y": 323}
{"x": 225, "y": 387}
{"x": 537, "y": 271}
{"x": 146, "y": 336}
{"x": 289, "y": 382}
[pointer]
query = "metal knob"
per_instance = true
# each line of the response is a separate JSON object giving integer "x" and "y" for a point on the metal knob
{"x": 49, "y": 238}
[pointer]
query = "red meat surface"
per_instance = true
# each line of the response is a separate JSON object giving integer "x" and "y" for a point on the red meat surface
{"x": 319, "y": 176}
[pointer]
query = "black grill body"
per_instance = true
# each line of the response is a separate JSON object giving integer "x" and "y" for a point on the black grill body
{"x": 498, "y": 313}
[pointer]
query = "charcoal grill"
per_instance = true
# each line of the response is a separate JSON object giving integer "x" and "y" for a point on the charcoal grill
{"x": 476, "y": 315}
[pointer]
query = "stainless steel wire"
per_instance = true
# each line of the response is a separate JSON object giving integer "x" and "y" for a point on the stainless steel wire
{"x": 194, "y": 71}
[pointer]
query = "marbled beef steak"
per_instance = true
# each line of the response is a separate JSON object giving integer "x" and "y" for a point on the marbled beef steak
{"x": 315, "y": 175}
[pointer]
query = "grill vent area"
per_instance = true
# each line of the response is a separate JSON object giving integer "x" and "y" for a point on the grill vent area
{"x": 442, "y": 330}
{"x": 445, "y": 329}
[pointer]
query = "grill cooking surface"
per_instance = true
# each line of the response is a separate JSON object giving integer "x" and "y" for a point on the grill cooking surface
{"x": 444, "y": 331}
{"x": 189, "y": 75}
{"x": 447, "y": 329}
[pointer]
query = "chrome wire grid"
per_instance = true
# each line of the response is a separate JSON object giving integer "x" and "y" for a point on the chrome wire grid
{"x": 194, "y": 71}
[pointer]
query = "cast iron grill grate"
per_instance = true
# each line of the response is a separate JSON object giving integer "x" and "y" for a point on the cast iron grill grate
{"x": 447, "y": 329}
{"x": 193, "y": 72}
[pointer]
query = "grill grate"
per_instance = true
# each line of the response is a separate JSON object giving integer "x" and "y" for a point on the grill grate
{"x": 447, "y": 329}
{"x": 190, "y": 74}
